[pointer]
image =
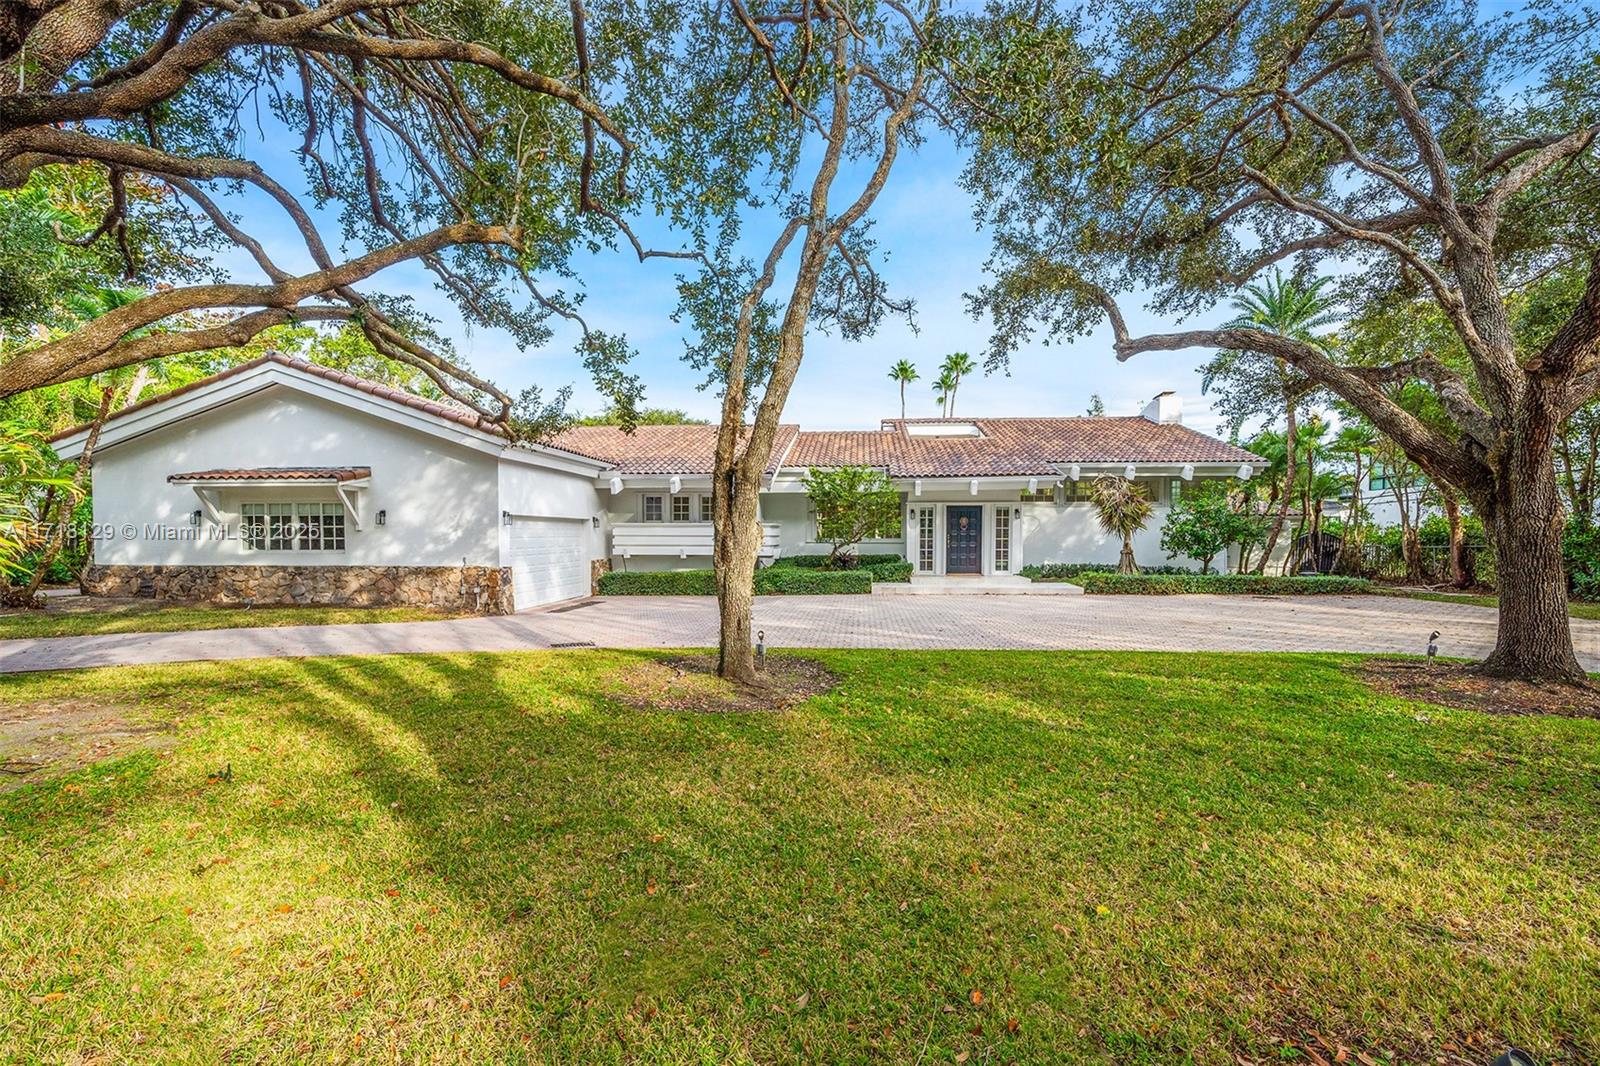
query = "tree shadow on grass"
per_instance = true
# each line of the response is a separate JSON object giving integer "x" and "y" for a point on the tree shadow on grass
{"x": 668, "y": 880}
{"x": 1132, "y": 857}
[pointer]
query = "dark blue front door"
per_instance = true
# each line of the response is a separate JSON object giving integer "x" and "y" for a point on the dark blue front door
{"x": 963, "y": 540}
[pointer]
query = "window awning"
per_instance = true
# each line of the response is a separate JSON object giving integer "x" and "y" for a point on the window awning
{"x": 349, "y": 481}
{"x": 275, "y": 475}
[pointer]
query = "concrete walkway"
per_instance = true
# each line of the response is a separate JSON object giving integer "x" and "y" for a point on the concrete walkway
{"x": 1165, "y": 623}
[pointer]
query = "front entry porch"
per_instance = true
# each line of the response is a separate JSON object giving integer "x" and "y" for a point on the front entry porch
{"x": 965, "y": 539}
{"x": 973, "y": 585}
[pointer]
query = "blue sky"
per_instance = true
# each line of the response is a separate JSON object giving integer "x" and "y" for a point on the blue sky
{"x": 934, "y": 254}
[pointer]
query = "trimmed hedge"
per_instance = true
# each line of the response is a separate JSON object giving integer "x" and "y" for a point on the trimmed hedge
{"x": 899, "y": 570}
{"x": 1250, "y": 584}
{"x": 818, "y": 562}
{"x": 798, "y": 581}
{"x": 882, "y": 567}
{"x": 658, "y": 583}
{"x": 770, "y": 581}
{"x": 1066, "y": 571}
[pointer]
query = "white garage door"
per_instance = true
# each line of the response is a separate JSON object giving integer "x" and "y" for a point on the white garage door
{"x": 548, "y": 560}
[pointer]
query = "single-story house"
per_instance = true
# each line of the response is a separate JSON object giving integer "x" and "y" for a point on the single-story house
{"x": 283, "y": 481}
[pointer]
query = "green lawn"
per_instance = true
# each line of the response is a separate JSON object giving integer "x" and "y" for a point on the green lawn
{"x": 1012, "y": 857}
{"x": 76, "y": 618}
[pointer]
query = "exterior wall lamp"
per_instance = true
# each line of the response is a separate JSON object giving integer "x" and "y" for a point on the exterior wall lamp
{"x": 383, "y": 518}
{"x": 194, "y": 518}
{"x": 505, "y": 518}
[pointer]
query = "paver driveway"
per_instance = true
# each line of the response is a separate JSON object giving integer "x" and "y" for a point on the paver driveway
{"x": 1167, "y": 623}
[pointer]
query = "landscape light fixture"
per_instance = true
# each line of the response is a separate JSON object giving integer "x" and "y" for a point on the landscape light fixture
{"x": 761, "y": 649}
{"x": 1433, "y": 646}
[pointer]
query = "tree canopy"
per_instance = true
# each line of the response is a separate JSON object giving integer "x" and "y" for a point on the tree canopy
{"x": 1417, "y": 152}
{"x": 469, "y": 137}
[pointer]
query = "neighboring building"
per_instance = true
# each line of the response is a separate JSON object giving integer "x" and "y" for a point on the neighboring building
{"x": 281, "y": 481}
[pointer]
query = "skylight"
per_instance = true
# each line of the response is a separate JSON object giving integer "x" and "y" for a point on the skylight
{"x": 943, "y": 429}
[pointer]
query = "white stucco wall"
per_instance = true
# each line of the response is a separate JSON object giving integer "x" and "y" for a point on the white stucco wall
{"x": 441, "y": 498}
{"x": 537, "y": 491}
{"x": 798, "y": 529}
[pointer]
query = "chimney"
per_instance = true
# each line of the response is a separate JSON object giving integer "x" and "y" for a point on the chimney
{"x": 1166, "y": 407}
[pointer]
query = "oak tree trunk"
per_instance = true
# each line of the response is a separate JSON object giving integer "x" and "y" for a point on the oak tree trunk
{"x": 1526, "y": 518}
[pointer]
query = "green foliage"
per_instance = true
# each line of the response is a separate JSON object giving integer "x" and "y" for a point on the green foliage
{"x": 647, "y": 416}
{"x": 769, "y": 581}
{"x": 1236, "y": 584}
{"x": 1204, "y": 522}
{"x": 1067, "y": 571}
{"x": 956, "y": 366}
{"x": 898, "y": 571}
{"x": 28, "y": 471}
{"x": 798, "y": 581}
{"x": 1122, "y": 510}
{"x": 658, "y": 583}
{"x": 844, "y": 562}
{"x": 852, "y": 503}
{"x": 1250, "y": 385}
{"x": 1580, "y": 552}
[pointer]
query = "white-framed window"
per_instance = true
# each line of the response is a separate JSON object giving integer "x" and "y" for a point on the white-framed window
{"x": 1002, "y": 540}
{"x": 253, "y": 526}
{"x": 705, "y": 508}
{"x": 652, "y": 509}
{"x": 680, "y": 508}
{"x": 925, "y": 546}
{"x": 287, "y": 527}
{"x": 1046, "y": 494}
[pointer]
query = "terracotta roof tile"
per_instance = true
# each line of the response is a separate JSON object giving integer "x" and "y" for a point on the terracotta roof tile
{"x": 1016, "y": 447}
{"x": 279, "y": 473}
{"x": 660, "y": 449}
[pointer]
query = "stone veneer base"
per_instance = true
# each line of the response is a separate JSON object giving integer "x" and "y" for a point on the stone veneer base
{"x": 478, "y": 589}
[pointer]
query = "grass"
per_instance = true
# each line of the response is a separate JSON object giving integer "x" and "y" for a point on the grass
{"x": 1575, "y": 608}
{"x": 1016, "y": 857}
{"x": 91, "y": 615}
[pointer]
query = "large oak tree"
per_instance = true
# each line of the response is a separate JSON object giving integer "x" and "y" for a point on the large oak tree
{"x": 468, "y": 136}
{"x": 1413, "y": 150}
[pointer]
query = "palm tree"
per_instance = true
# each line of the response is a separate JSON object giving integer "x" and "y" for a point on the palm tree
{"x": 956, "y": 365}
{"x": 1290, "y": 309}
{"x": 1123, "y": 509}
{"x": 944, "y": 389}
{"x": 905, "y": 373}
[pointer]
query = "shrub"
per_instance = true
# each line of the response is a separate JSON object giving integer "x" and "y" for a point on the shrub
{"x": 853, "y": 503}
{"x": 899, "y": 570}
{"x": 1580, "y": 551}
{"x": 658, "y": 583}
{"x": 1251, "y": 584}
{"x": 770, "y": 581}
{"x": 850, "y": 562}
{"x": 1067, "y": 571}
{"x": 1203, "y": 523}
{"x": 798, "y": 581}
